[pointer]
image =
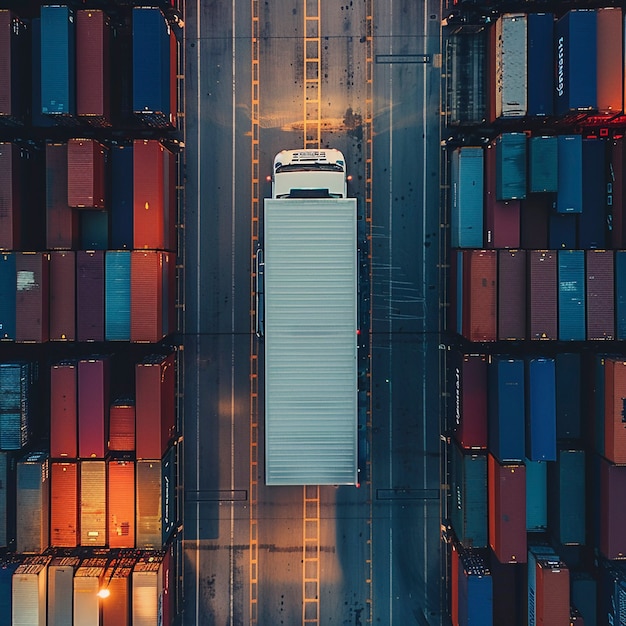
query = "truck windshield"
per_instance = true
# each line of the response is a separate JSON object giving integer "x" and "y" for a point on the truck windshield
{"x": 302, "y": 167}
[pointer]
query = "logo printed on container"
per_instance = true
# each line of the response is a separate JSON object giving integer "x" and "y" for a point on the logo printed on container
{"x": 560, "y": 88}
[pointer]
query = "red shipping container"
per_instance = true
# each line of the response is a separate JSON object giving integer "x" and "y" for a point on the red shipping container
{"x": 553, "y": 602}
{"x": 534, "y": 220}
{"x": 31, "y": 309}
{"x": 512, "y": 294}
{"x": 610, "y": 75}
{"x": 63, "y": 296}
{"x": 614, "y": 425}
{"x": 64, "y": 505}
{"x": 90, "y": 295}
{"x": 155, "y": 405}
{"x": 93, "y": 407}
{"x": 93, "y": 496}
{"x": 542, "y": 294}
{"x": 86, "y": 162}
{"x": 121, "y": 504}
{"x": 615, "y": 196}
{"x": 470, "y": 401}
{"x": 10, "y": 197}
{"x": 507, "y": 510}
{"x": 600, "y": 294}
{"x": 64, "y": 410}
{"x": 122, "y": 426}
{"x": 61, "y": 220}
{"x": 149, "y": 200}
{"x": 612, "y": 510}
{"x": 479, "y": 295}
{"x": 146, "y": 296}
{"x": 116, "y": 609}
{"x": 92, "y": 67}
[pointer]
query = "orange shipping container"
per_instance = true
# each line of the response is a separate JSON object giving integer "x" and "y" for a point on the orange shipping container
{"x": 64, "y": 505}
{"x": 122, "y": 426}
{"x": 553, "y": 599}
{"x": 116, "y": 608}
{"x": 93, "y": 503}
{"x": 610, "y": 72}
{"x": 121, "y": 504}
{"x": 148, "y": 195}
{"x": 614, "y": 426}
{"x": 146, "y": 296}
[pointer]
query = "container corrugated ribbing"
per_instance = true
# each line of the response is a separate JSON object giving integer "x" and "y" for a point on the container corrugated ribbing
{"x": 93, "y": 519}
{"x": 542, "y": 164}
{"x": 147, "y": 584}
{"x": 10, "y": 197}
{"x": 121, "y": 504}
{"x": 86, "y": 161}
{"x": 569, "y": 197}
{"x": 614, "y": 394}
{"x": 116, "y": 609}
{"x": 63, "y": 296}
{"x": 90, "y": 295}
{"x": 540, "y": 64}
{"x": 592, "y": 221}
{"x": 8, "y": 288}
{"x": 64, "y": 504}
{"x": 146, "y": 296}
{"x": 553, "y": 604}
{"x": 469, "y": 389}
{"x": 536, "y": 495}
{"x": 542, "y": 294}
{"x": 122, "y": 197}
{"x": 620, "y": 294}
{"x": 61, "y": 219}
{"x": 33, "y": 503}
{"x": 600, "y": 294}
{"x": 567, "y": 497}
{"x": 148, "y": 494}
{"x": 479, "y": 295}
{"x": 475, "y": 589}
{"x": 511, "y": 66}
{"x": 63, "y": 410}
{"x": 540, "y": 410}
{"x": 87, "y": 582}
{"x": 8, "y": 565}
{"x": 93, "y": 407}
{"x": 16, "y": 393}
{"x": 12, "y": 51}
{"x": 610, "y": 75}
{"x": 29, "y": 591}
{"x": 122, "y": 426}
{"x": 60, "y": 590}
{"x": 511, "y": 166}
{"x": 92, "y": 67}
{"x": 612, "y": 510}
{"x": 117, "y": 295}
{"x": 466, "y": 212}
{"x": 511, "y": 294}
{"x": 33, "y": 275}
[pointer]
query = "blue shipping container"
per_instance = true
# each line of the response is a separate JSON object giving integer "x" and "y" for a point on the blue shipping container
{"x": 122, "y": 197}
{"x": 540, "y": 63}
{"x": 568, "y": 396}
{"x": 506, "y": 409}
{"x": 572, "y": 295}
{"x": 475, "y": 589}
{"x": 620, "y": 294}
{"x": 584, "y": 591}
{"x": 569, "y": 197}
{"x": 511, "y": 166}
{"x": 8, "y": 290}
{"x": 536, "y": 495}
{"x": 7, "y": 567}
{"x": 117, "y": 295}
{"x": 58, "y": 61}
{"x": 543, "y": 164}
{"x": 541, "y": 410}
{"x": 466, "y": 181}
{"x": 611, "y": 593}
{"x": 562, "y": 231}
{"x": 168, "y": 493}
{"x": 37, "y": 117}
{"x": 598, "y": 404}
{"x": 592, "y": 222}
{"x": 576, "y": 61}
{"x": 14, "y": 405}
{"x": 566, "y": 479}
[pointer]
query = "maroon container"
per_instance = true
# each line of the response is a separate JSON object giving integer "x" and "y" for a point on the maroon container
{"x": 122, "y": 426}
{"x": 146, "y": 296}
{"x": 10, "y": 197}
{"x": 64, "y": 504}
{"x": 63, "y": 410}
{"x": 470, "y": 400}
{"x": 616, "y": 195}
{"x": 542, "y": 294}
{"x": 61, "y": 220}
{"x": 552, "y": 593}
{"x": 93, "y": 407}
{"x": 612, "y": 510}
{"x": 155, "y": 406}
{"x": 502, "y": 219}
{"x": 511, "y": 294}
{"x": 600, "y": 294}
{"x": 507, "y": 510}
{"x": 149, "y": 200}
{"x": 92, "y": 67}
{"x": 6, "y": 78}
{"x": 63, "y": 296}
{"x": 614, "y": 397}
{"x": 86, "y": 161}
{"x": 479, "y": 295}
{"x": 90, "y": 295}
{"x": 31, "y": 310}
{"x": 534, "y": 219}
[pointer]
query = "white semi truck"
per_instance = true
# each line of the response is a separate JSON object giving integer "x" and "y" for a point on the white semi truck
{"x": 307, "y": 298}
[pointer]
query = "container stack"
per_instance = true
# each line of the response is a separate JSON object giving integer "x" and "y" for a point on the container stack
{"x": 535, "y": 113}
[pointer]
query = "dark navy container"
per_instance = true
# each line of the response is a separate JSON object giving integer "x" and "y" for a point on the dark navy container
{"x": 611, "y": 593}
{"x": 566, "y": 499}
{"x": 8, "y": 565}
{"x": 568, "y": 396}
{"x": 562, "y": 231}
{"x": 468, "y": 506}
{"x": 466, "y": 181}
{"x": 569, "y": 197}
{"x": 572, "y": 295}
{"x": 15, "y": 391}
{"x": 540, "y": 36}
{"x": 620, "y": 294}
{"x": 122, "y": 197}
{"x": 593, "y": 220}
{"x": 542, "y": 163}
{"x": 7, "y": 501}
{"x": 58, "y": 61}
{"x": 117, "y": 295}
{"x": 584, "y": 592}
{"x": 511, "y": 166}
{"x": 536, "y": 495}
{"x": 94, "y": 229}
{"x": 475, "y": 587}
{"x": 8, "y": 286}
{"x": 37, "y": 117}
{"x": 506, "y": 409}
{"x": 541, "y": 410}
{"x": 168, "y": 493}
{"x": 576, "y": 62}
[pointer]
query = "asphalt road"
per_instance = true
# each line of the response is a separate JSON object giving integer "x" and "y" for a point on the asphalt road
{"x": 258, "y": 555}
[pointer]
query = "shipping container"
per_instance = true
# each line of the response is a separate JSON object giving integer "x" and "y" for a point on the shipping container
{"x": 571, "y": 295}
{"x": 614, "y": 396}
{"x": 62, "y": 295}
{"x": 568, "y": 395}
{"x": 92, "y": 67}
{"x": 611, "y": 592}
{"x": 38, "y": 119}
{"x": 600, "y": 294}
{"x": 540, "y": 409}
{"x": 8, "y": 289}
{"x": 93, "y": 518}
{"x": 16, "y": 394}
{"x": 33, "y": 503}
{"x": 540, "y": 64}
{"x": 511, "y": 294}
{"x": 569, "y": 197}
{"x": 468, "y": 378}
{"x": 509, "y": 591}
{"x": 542, "y": 294}
{"x": 536, "y": 495}
{"x": 121, "y": 504}
{"x": 31, "y": 307}
{"x": 155, "y": 381}
{"x": 543, "y": 163}
{"x": 60, "y": 590}
{"x": 466, "y": 182}
{"x": 146, "y": 296}
{"x": 7, "y": 501}
{"x": 94, "y": 229}
{"x": 507, "y": 510}
{"x": 169, "y": 320}
{"x": 615, "y": 199}
{"x": 535, "y": 553}
{"x": 620, "y": 294}
{"x": 147, "y": 586}
{"x": 170, "y": 199}
{"x": 8, "y": 565}
{"x": 10, "y": 196}
{"x": 552, "y": 593}
{"x": 534, "y": 219}
{"x": 612, "y": 510}
{"x": 511, "y": 65}
{"x": 122, "y": 197}
{"x": 90, "y": 295}
{"x": 576, "y": 61}
{"x": 58, "y": 61}
{"x": 63, "y": 410}
{"x": 122, "y": 426}
{"x": 116, "y": 609}
{"x": 86, "y": 178}
{"x": 475, "y": 589}
{"x": 566, "y": 509}
{"x": 468, "y": 506}
{"x": 148, "y": 505}
{"x": 88, "y": 580}
{"x": 169, "y": 488}
{"x": 30, "y": 586}
{"x": 117, "y": 295}
{"x": 610, "y": 76}
{"x": 93, "y": 407}
{"x": 511, "y": 166}
{"x": 592, "y": 222}
{"x": 13, "y": 50}
{"x": 506, "y": 408}
{"x": 61, "y": 219}
{"x": 64, "y": 504}
{"x": 563, "y": 231}
{"x": 455, "y": 310}
{"x": 584, "y": 592}
{"x": 598, "y": 402}
{"x": 454, "y": 582}
{"x": 479, "y": 295}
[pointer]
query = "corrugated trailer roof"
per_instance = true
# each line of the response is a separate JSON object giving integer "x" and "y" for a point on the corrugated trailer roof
{"x": 310, "y": 341}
